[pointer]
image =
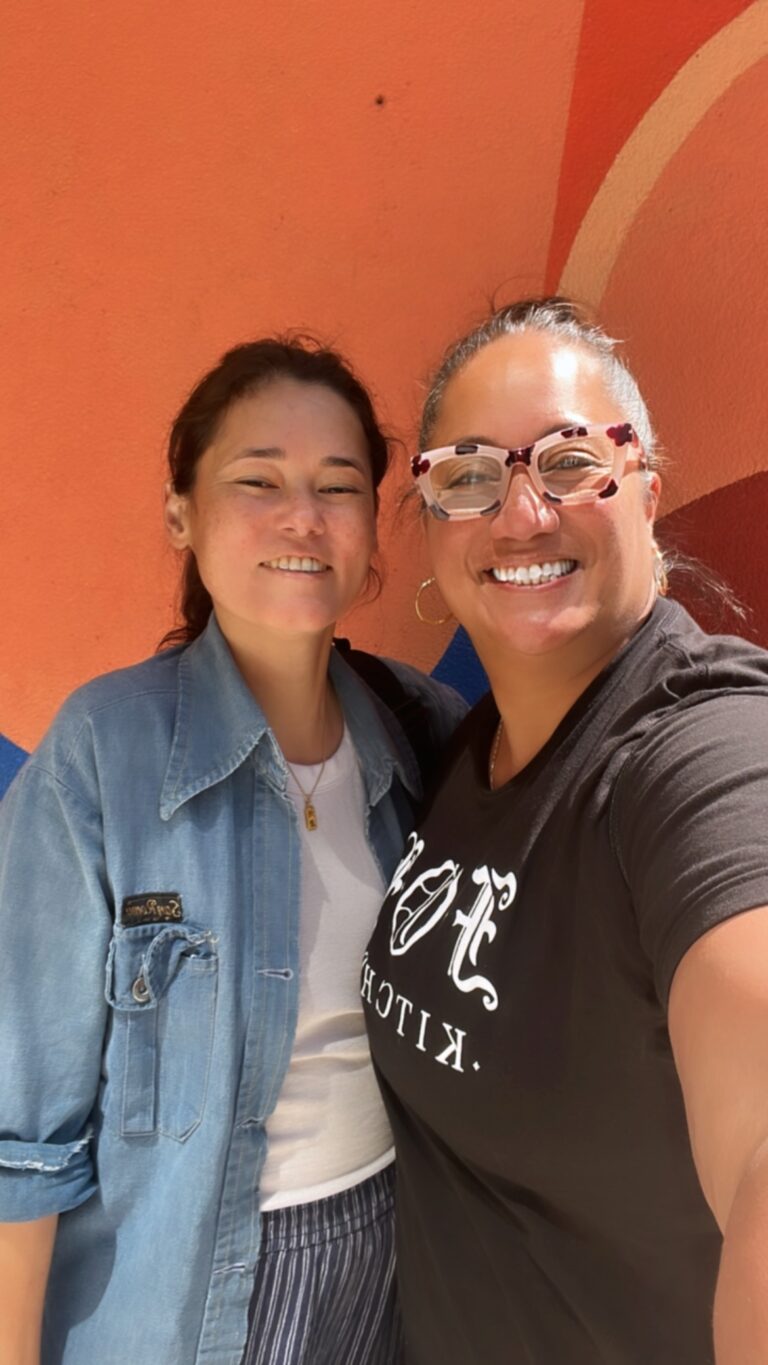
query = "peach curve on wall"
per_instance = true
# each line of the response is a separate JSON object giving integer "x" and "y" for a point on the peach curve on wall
{"x": 655, "y": 140}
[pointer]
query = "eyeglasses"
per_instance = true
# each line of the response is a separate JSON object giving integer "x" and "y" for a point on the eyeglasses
{"x": 577, "y": 464}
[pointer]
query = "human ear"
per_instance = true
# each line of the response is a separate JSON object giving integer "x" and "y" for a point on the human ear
{"x": 176, "y": 517}
{"x": 652, "y": 495}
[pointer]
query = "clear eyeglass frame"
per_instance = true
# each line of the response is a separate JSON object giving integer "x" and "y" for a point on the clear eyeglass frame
{"x": 570, "y": 466}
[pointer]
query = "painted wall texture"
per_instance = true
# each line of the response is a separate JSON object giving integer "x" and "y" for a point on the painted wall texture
{"x": 175, "y": 180}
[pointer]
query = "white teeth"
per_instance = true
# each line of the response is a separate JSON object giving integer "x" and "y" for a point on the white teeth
{"x": 534, "y": 573}
{"x": 295, "y": 564}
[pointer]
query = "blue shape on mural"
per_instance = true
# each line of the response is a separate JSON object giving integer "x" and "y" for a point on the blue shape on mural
{"x": 461, "y": 668}
{"x": 11, "y": 759}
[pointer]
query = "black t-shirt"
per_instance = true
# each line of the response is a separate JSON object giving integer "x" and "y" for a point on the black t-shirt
{"x": 516, "y": 989}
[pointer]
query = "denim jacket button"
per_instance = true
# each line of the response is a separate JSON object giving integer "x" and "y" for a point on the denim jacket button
{"x": 140, "y": 991}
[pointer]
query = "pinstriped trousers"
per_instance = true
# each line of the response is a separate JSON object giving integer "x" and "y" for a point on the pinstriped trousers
{"x": 325, "y": 1290}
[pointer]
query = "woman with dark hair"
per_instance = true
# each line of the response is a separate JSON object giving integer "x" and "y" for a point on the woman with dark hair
{"x": 577, "y": 934}
{"x": 190, "y": 865}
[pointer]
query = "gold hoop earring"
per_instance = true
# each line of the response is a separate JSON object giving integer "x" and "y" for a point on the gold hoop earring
{"x": 429, "y": 620}
{"x": 661, "y": 577}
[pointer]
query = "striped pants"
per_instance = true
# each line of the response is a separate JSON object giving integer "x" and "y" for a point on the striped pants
{"x": 325, "y": 1291}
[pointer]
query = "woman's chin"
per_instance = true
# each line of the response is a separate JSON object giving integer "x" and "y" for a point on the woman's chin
{"x": 534, "y": 629}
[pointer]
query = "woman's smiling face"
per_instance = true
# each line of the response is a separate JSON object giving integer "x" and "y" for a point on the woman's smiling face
{"x": 282, "y": 515}
{"x": 596, "y": 559}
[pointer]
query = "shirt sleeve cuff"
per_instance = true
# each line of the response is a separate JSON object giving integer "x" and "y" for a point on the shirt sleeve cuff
{"x": 38, "y": 1179}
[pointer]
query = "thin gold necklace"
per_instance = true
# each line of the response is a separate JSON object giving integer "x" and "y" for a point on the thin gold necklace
{"x": 310, "y": 814}
{"x": 494, "y": 753}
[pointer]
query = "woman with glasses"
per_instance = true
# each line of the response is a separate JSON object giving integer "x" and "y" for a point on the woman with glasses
{"x": 190, "y": 865}
{"x": 567, "y": 991}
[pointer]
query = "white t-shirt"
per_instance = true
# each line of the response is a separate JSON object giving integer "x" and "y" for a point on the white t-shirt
{"x": 329, "y": 1130}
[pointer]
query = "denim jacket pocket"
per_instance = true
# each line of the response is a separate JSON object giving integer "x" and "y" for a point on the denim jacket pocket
{"x": 161, "y": 984}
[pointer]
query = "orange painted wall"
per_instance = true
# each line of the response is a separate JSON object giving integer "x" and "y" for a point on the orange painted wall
{"x": 175, "y": 180}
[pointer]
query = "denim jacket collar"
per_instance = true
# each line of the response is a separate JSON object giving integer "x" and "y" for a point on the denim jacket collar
{"x": 219, "y": 724}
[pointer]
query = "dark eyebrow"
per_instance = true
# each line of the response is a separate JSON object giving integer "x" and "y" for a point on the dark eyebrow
{"x": 558, "y": 426}
{"x": 477, "y": 441}
{"x": 344, "y": 462}
{"x": 260, "y": 452}
{"x": 277, "y": 453}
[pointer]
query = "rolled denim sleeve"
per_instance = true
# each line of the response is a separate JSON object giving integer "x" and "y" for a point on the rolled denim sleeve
{"x": 37, "y": 1179}
{"x": 55, "y": 925}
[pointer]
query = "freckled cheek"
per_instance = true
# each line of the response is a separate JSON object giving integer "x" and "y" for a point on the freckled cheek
{"x": 227, "y": 550}
{"x": 358, "y": 538}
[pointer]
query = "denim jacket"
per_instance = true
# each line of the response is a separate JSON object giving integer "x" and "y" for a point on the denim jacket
{"x": 149, "y": 901}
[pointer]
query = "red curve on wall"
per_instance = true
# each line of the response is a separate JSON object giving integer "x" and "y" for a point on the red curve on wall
{"x": 627, "y": 55}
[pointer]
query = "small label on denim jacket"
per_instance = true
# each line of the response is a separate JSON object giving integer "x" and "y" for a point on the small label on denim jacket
{"x": 153, "y": 907}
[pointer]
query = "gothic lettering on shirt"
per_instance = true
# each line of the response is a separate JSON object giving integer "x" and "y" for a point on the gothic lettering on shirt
{"x": 476, "y": 925}
{"x": 424, "y": 901}
{"x": 442, "y": 1041}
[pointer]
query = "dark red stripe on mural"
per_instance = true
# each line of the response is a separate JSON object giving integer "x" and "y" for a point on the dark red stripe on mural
{"x": 726, "y": 530}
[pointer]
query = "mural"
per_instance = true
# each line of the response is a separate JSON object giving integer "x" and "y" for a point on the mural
{"x": 375, "y": 175}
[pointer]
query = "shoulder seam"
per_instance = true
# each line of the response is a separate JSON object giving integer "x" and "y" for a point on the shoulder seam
{"x": 87, "y": 715}
{"x": 34, "y": 766}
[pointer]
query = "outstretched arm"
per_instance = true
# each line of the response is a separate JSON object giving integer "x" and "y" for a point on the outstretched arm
{"x": 718, "y": 1023}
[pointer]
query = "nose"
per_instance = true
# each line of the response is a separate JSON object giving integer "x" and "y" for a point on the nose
{"x": 303, "y": 512}
{"x": 524, "y": 513}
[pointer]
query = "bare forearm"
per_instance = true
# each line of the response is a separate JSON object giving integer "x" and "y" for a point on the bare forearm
{"x": 741, "y": 1302}
{"x": 25, "y": 1258}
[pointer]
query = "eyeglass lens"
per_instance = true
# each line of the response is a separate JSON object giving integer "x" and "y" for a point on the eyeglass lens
{"x": 464, "y": 483}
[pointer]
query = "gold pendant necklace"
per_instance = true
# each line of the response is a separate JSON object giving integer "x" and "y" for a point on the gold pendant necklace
{"x": 310, "y": 814}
